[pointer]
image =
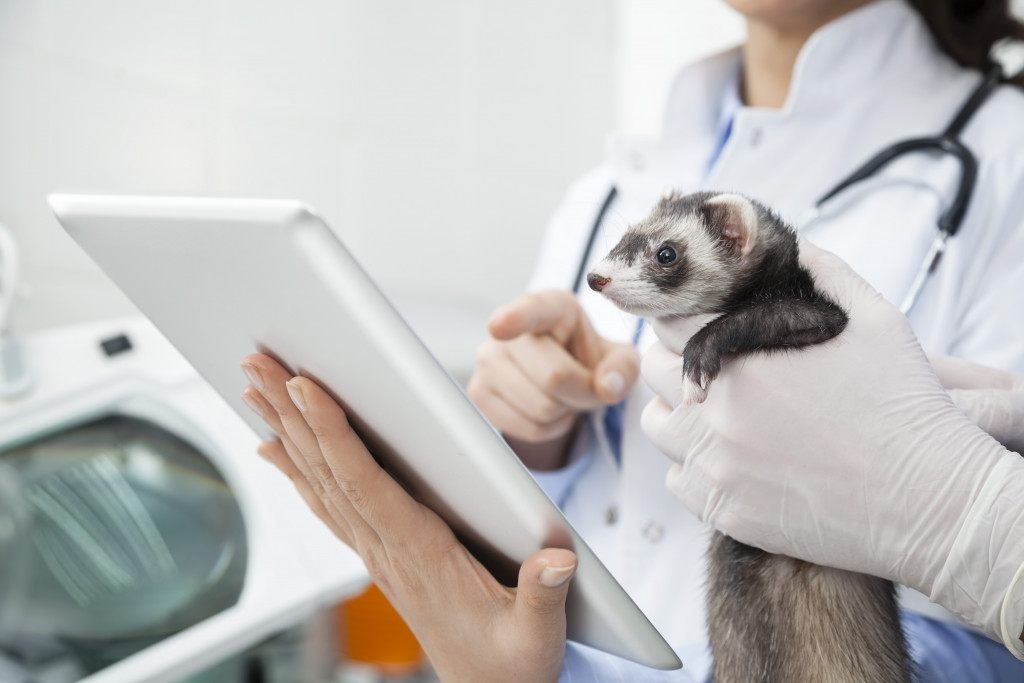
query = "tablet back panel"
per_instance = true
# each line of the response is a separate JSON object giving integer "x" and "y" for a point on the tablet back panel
{"x": 226, "y": 278}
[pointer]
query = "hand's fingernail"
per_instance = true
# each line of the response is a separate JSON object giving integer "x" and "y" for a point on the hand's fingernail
{"x": 261, "y": 451}
{"x": 296, "y": 393}
{"x": 614, "y": 382}
{"x": 254, "y": 405}
{"x": 553, "y": 577}
{"x": 253, "y": 375}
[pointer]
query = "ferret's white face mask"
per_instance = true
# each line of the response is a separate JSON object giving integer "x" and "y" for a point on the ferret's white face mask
{"x": 671, "y": 263}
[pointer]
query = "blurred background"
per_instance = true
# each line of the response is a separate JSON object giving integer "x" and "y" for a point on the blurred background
{"x": 434, "y": 137}
{"x": 431, "y": 135}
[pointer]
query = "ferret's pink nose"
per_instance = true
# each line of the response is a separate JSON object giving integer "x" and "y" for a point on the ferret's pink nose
{"x": 597, "y": 282}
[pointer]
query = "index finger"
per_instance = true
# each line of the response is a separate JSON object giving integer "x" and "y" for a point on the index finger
{"x": 957, "y": 373}
{"x": 550, "y": 312}
{"x": 662, "y": 369}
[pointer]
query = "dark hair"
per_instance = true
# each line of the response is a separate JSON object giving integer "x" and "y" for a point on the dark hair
{"x": 967, "y": 29}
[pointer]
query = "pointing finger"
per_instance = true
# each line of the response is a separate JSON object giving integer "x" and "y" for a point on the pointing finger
{"x": 551, "y": 312}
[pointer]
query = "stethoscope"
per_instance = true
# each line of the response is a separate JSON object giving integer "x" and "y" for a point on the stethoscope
{"x": 947, "y": 143}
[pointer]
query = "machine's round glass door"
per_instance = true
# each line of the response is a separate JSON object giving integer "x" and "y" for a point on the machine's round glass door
{"x": 113, "y": 535}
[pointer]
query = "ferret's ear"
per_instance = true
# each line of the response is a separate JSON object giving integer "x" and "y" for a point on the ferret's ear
{"x": 734, "y": 217}
{"x": 668, "y": 194}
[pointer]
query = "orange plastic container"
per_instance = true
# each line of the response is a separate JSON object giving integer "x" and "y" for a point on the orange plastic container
{"x": 371, "y": 633}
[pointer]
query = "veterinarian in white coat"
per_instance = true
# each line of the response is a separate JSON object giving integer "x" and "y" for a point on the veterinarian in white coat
{"x": 839, "y": 112}
{"x": 871, "y": 77}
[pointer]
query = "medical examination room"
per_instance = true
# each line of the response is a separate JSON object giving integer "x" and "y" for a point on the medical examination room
{"x": 653, "y": 341}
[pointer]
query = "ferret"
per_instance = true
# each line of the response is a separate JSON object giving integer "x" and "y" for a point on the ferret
{"x": 771, "y": 618}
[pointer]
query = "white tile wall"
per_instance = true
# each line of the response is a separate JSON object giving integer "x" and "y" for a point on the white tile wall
{"x": 655, "y": 39}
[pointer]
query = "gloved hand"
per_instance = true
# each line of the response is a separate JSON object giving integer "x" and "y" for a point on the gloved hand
{"x": 849, "y": 454}
{"x": 992, "y": 398}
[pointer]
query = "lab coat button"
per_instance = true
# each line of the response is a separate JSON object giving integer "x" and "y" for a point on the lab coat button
{"x": 653, "y": 531}
{"x": 637, "y": 161}
{"x": 611, "y": 515}
{"x": 755, "y": 137}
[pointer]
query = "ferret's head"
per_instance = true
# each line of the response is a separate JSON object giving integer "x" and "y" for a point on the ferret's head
{"x": 687, "y": 257}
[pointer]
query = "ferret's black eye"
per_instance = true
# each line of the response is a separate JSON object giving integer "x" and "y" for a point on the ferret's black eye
{"x": 666, "y": 255}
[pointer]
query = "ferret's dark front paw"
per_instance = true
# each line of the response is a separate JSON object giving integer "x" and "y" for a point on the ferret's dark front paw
{"x": 693, "y": 391}
{"x": 696, "y": 380}
{"x": 701, "y": 365}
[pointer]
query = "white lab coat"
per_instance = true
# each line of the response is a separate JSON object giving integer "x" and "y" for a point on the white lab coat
{"x": 868, "y": 79}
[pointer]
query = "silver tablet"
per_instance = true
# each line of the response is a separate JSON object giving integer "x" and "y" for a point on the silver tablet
{"x": 223, "y": 278}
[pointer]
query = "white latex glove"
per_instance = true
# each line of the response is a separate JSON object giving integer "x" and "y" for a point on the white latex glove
{"x": 850, "y": 454}
{"x": 993, "y": 399}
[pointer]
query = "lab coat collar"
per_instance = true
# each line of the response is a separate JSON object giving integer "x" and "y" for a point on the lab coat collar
{"x": 858, "y": 52}
{"x": 887, "y": 37}
{"x": 696, "y": 96}
{"x": 850, "y": 52}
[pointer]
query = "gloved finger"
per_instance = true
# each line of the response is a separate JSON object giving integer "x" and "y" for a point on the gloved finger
{"x": 998, "y": 412}
{"x": 654, "y": 422}
{"x": 672, "y": 430}
{"x": 695, "y": 490}
{"x": 675, "y": 332}
{"x": 662, "y": 370}
{"x": 835, "y": 277}
{"x": 682, "y": 435}
{"x": 957, "y": 373}
{"x": 868, "y": 311}
{"x": 825, "y": 267}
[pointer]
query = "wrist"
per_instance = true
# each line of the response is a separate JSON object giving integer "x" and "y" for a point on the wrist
{"x": 1011, "y": 616}
{"x": 544, "y": 456}
{"x": 981, "y": 578}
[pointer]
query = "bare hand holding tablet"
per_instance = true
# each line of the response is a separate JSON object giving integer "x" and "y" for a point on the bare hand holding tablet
{"x": 399, "y": 539}
{"x": 224, "y": 279}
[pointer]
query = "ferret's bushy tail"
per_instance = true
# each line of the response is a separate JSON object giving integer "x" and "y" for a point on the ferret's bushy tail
{"x": 773, "y": 619}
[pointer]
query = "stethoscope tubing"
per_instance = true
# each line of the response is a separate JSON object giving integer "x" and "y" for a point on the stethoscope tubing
{"x": 581, "y": 272}
{"x": 948, "y": 224}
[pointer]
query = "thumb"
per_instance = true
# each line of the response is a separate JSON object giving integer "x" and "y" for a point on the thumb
{"x": 544, "y": 580}
{"x": 616, "y": 372}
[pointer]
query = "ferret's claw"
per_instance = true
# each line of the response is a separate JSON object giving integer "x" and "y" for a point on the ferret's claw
{"x": 693, "y": 392}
